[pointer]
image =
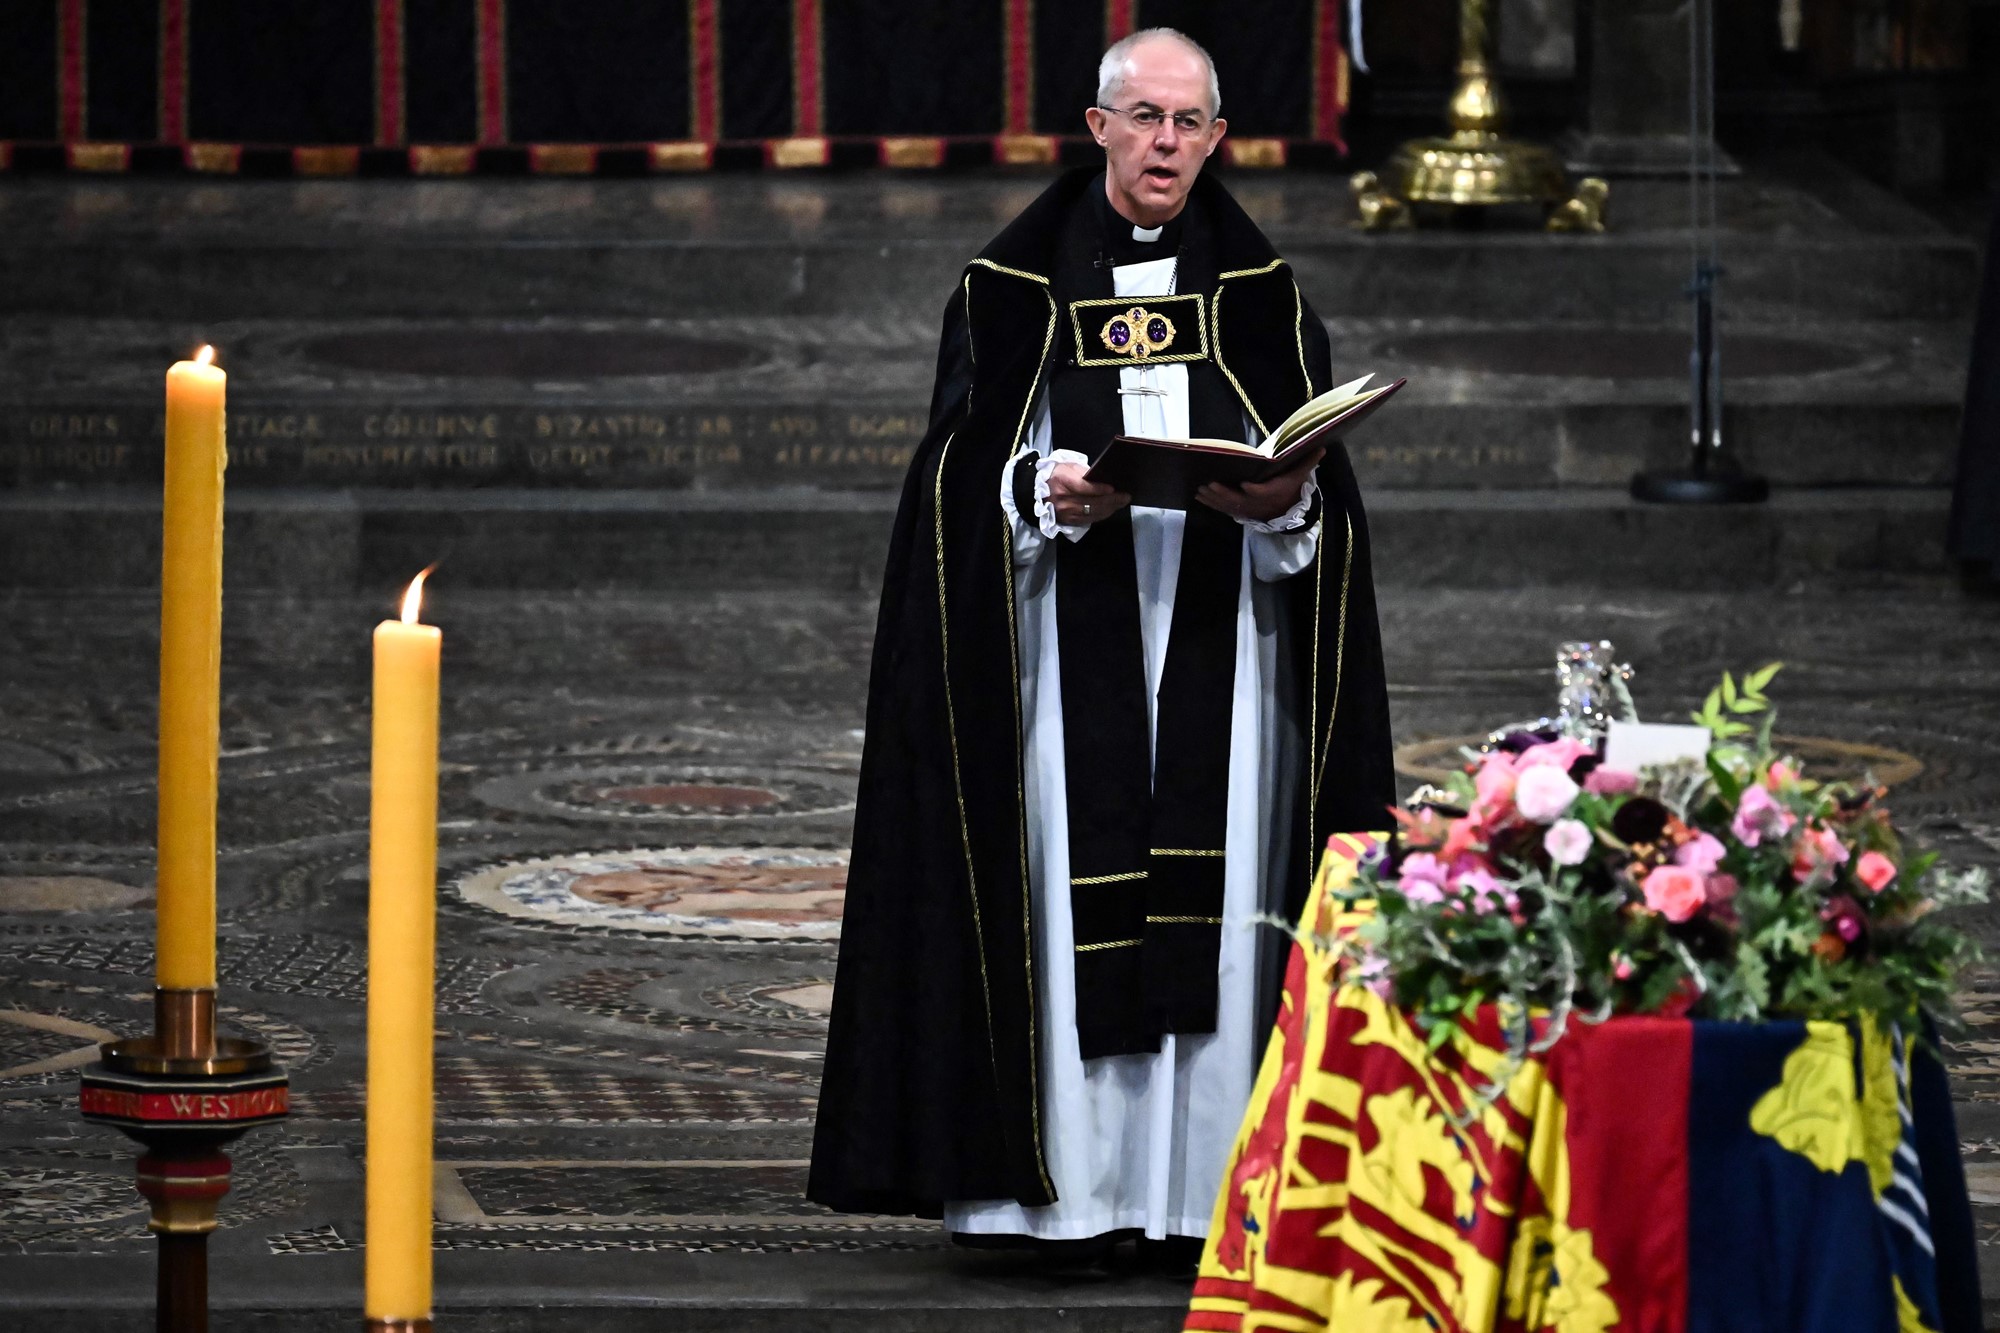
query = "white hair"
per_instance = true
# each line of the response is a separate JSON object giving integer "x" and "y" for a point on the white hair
{"x": 1111, "y": 69}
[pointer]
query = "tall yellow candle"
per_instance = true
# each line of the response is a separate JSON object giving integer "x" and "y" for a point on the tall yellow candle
{"x": 402, "y": 946}
{"x": 190, "y": 671}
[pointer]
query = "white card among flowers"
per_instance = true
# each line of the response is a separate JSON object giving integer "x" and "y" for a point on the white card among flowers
{"x": 1630, "y": 747}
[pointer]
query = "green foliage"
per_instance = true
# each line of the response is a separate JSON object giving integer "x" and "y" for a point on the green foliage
{"x": 1783, "y": 927}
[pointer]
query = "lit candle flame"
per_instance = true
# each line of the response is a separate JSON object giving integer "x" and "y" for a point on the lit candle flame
{"x": 413, "y": 600}
{"x": 206, "y": 356}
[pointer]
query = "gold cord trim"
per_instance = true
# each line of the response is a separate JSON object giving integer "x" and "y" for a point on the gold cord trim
{"x": 1012, "y": 272}
{"x": 1189, "y": 851}
{"x": 1215, "y": 314}
{"x": 1109, "y": 879}
{"x": 1185, "y": 920}
{"x": 1299, "y": 334}
{"x": 1312, "y": 699}
{"x": 1020, "y": 791}
{"x": 1114, "y": 944}
{"x": 951, "y": 727}
{"x": 1250, "y": 272}
{"x": 1339, "y": 660}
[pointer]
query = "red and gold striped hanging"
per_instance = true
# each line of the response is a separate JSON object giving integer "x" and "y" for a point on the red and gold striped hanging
{"x": 72, "y": 77}
{"x": 172, "y": 122}
{"x": 389, "y": 77}
{"x": 492, "y": 60}
{"x": 1329, "y": 74}
{"x": 1118, "y": 20}
{"x": 704, "y": 71}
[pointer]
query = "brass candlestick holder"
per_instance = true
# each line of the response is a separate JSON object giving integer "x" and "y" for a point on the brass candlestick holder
{"x": 1475, "y": 166}
{"x": 183, "y": 1093}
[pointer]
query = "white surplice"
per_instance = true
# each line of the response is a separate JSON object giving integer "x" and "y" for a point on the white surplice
{"x": 1140, "y": 1142}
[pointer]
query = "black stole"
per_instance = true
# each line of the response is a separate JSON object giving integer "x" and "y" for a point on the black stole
{"x": 1147, "y": 812}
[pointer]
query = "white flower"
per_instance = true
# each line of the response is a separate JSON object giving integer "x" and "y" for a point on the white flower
{"x": 1567, "y": 842}
{"x": 1543, "y": 792}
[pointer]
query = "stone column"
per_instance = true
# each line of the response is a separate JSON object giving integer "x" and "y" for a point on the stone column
{"x": 1632, "y": 57}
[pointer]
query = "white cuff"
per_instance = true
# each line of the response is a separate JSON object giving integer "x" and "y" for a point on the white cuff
{"x": 1292, "y": 519}
{"x": 1045, "y": 513}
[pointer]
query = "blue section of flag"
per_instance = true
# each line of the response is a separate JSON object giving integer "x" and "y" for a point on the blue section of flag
{"x": 1774, "y": 1243}
{"x": 1934, "y": 1133}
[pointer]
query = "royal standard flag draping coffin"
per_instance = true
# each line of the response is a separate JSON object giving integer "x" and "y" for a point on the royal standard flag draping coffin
{"x": 1644, "y": 1175}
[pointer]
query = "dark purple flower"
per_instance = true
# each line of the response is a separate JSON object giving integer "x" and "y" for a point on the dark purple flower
{"x": 1845, "y": 918}
{"x": 1514, "y": 742}
{"x": 1641, "y": 819}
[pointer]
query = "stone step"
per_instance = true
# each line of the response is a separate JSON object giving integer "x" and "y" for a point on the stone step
{"x": 882, "y": 244}
{"x": 324, "y": 542}
{"x": 838, "y": 402}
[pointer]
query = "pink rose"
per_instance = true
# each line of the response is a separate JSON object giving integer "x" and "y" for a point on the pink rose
{"x": 1721, "y": 888}
{"x": 1554, "y": 754}
{"x": 1543, "y": 792}
{"x": 1602, "y": 781}
{"x": 1759, "y": 816}
{"x": 1486, "y": 892}
{"x": 1675, "y": 892}
{"x": 1780, "y": 774}
{"x": 1567, "y": 842}
{"x": 1875, "y": 870}
{"x": 1817, "y": 855}
{"x": 1701, "y": 854}
{"x": 1621, "y": 967}
{"x": 1423, "y": 877}
{"x": 1494, "y": 782}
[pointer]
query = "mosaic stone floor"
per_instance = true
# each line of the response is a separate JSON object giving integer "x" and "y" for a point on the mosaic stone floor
{"x": 645, "y": 808}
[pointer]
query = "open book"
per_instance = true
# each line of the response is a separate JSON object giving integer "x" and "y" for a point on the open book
{"x": 1165, "y": 473}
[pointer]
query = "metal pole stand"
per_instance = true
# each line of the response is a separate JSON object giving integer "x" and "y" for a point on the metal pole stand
{"x": 183, "y": 1094}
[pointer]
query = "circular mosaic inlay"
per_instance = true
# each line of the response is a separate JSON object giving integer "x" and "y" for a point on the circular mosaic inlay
{"x": 769, "y": 893}
{"x": 37, "y": 1195}
{"x": 668, "y": 792}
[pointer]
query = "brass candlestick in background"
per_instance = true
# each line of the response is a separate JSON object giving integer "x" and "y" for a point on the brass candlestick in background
{"x": 1475, "y": 166}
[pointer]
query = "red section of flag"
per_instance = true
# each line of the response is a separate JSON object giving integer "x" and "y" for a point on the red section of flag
{"x": 1329, "y": 73}
{"x": 173, "y": 127}
{"x": 73, "y": 85}
{"x": 1117, "y": 20}
{"x": 705, "y": 71}
{"x": 807, "y": 97}
{"x": 1626, "y": 1084}
{"x": 492, "y": 37}
{"x": 1020, "y": 66}
{"x": 389, "y": 72}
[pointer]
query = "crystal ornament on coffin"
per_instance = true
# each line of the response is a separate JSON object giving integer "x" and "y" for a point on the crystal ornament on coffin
{"x": 1138, "y": 333}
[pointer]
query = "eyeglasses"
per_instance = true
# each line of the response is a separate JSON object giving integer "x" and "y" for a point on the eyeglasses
{"x": 1151, "y": 118}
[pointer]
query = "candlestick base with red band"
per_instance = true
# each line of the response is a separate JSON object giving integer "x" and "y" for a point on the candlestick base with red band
{"x": 183, "y": 1094}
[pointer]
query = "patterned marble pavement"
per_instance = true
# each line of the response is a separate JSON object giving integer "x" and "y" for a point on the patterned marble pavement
{"x": 645, "y": 808}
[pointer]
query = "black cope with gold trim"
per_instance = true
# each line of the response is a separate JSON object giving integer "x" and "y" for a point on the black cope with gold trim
{"x": 1117, "y": 331}
{"x": 933, "y": 1086}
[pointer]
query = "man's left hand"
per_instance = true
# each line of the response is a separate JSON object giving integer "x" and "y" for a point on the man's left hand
{"x": 1261, "y": 501}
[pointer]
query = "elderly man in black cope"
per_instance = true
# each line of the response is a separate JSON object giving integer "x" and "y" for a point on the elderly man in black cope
{"x": 1102, "y": 739}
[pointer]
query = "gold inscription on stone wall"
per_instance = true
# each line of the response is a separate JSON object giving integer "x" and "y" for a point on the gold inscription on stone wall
{"x": 74, "y": 426}
{"x": 692, "y": 455}
{"x": 84, "y": 456}
{"x": 600, "y": 426}
{"x": 401, "y": 457}
{"x": 431, "y": 426}
{"x": 885, "y": 427}
{"x": 283, "y": 426}
{"x": 1466, "y": 456}
{"x": 844, "y": 455}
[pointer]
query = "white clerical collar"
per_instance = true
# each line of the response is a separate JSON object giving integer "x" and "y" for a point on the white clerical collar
{"x": 1148, "y": 234}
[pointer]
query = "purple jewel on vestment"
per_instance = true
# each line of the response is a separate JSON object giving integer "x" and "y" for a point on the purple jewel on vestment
{"x": 1121, "y": 333}
{"x": 1156, "y": 330}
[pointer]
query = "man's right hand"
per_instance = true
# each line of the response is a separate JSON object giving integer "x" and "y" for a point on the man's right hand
{"x": 1078, "y": 502}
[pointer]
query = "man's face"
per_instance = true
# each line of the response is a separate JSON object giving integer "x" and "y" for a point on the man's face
{"x": 1150, "y": 168}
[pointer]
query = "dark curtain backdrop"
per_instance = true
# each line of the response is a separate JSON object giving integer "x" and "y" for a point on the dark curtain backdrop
{"x": 495, "y": 72}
